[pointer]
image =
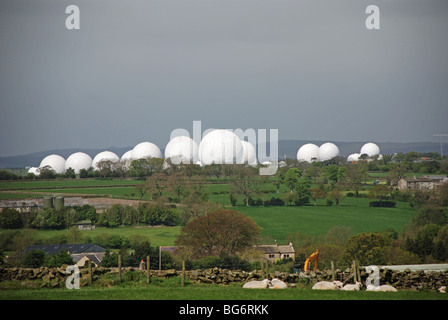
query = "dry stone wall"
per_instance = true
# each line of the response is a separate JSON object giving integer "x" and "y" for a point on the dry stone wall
{"x": 402, "y": 280}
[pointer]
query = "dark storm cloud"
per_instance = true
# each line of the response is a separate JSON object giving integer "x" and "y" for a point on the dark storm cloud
{"x": 136, "y": 70}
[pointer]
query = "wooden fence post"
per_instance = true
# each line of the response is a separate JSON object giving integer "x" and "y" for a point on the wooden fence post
{"x": 183, "y": 273}
{"x": 358, "y": 271}
{"x": 355, "y": 271}
{"x": 90, "y": 272}
{"x": 119, "y": 267}
{"x": 262, "y": 269}
{"x": 148, "y": 270}
{"x": 332, "y": 271}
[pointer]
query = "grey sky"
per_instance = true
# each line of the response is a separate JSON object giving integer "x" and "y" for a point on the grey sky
{"x": 136, "y": 70}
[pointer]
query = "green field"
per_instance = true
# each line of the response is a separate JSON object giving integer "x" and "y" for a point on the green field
{"x": 278, "y": 222}
{"x": 281, "y": 222}
{"x": 171, "y": 290}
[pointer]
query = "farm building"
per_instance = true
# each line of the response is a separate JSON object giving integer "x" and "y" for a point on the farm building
{"x": 276, "y": 252}
{"x": 80, "y": 252}
{"x": 428, "y": 182}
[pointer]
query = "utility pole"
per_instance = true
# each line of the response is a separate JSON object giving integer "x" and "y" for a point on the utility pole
{"x": 441, "y": 135}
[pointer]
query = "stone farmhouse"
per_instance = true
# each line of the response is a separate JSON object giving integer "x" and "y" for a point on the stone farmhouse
{"x": 428, "y": 182}
{"x": 276, "y": 252}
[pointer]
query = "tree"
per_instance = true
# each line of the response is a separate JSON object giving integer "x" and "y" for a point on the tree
{"x": 140, "y": 169}
{"x": 245, "y": 182}
{"x": 367, "y": 248}
{"x": 59, "y": 259}
{"x": 317, "y": 193}
{"x": 142, "y": 189}
{"x": 429, "y": 214}
{"x": 34, "y": 259}
{"x": 379, "y": 192}
{"x": 223, "y": 231}
{"x": 177, "y": 183}
{"x": 335, "y": 195}
{"x": 422, "y": 244}
{"x": 157, "y": 182}
{"x": 303, "y": 193}
{"x": 291, "y": 178}
{"x": 10, "y": 219}
{"x": 396, "y": 172}
{"x": 355, "y": 175}
{"x": 331, "y": 173}
{"x": 312, "y": 172}
{"x": 105, "y": 168}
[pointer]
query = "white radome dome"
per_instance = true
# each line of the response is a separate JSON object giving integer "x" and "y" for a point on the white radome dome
{"x": 308, "y": 152}
{"x": 249, "y": 153}
{"x": 55, "y": 162}
{"x": 104, "y": 156}
{"x": 126, "y": 159}
{"x": 353, "y": 157}
{"x": 126, "y": 156}
{"x": 34, "y": 170}
{"x": 371, "y": 149}
{"x": 78, "y": 161}
{"x": 328, "y": 151}
{"x": 220, "y": 147}
{"x": 145, "y": 150}
{"x": 181, "y": 149}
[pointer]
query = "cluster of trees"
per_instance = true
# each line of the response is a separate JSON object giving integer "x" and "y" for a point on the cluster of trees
{"x": 64, "y": 218}
{"x": 46, "y": 218}
{"x": 145, "y": 213}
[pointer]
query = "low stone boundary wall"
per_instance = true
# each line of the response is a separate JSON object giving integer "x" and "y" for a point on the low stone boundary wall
{"x": 404, "y": 280}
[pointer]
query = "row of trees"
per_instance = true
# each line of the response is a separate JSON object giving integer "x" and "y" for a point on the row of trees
{"x": 117, "y": 215}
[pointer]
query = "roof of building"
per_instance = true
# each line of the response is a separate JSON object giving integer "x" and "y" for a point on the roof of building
{"x": 51, "y": 249}
{"x": 274, "y": 248}
{"x": 436, "y": 177}
{"x": 418, "y": 179}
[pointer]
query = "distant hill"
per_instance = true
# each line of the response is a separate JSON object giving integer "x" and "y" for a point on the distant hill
{"x": 286, "y": 148}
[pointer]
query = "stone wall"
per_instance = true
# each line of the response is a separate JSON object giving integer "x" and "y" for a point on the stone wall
{"x": 404, "y": 280}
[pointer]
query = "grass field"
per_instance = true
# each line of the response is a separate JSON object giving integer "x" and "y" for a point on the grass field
{"x": 159, "y": 236}
{"x": 174, "y": 291}
{"x": 278, "y": 222}
{"x": 281, "y": 222}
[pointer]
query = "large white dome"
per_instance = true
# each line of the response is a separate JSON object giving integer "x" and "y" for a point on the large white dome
{"x": 181, "y": 149}
{"x": 126, "y": 156}
{"x": 34, "y": 170}
{"x": 145, "y": 150}
{"x": 328, "y": 151}
{"x": 308, "y": 152}
{"x": 104, "y": 156}
{"x": 353, "y": 157}
{"x": 78, "y": 161}
{"x": 249, "y": 153}
{"x": 55, "y": 162}
{"x": 371, "y": 149}
{"x": 126, "y": 159}
{"x": 220, "y": 146}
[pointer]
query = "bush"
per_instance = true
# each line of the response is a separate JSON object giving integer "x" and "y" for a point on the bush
{"x": 384, "y": 204}
{"x": 274, "y": 202}
{"x": 10, "y": 219}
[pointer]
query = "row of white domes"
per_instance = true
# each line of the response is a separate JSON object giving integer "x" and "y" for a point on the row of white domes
{"x": 370, "y": 149}
{"x": 218, "y": 146}
{"x": 310, "y": 152}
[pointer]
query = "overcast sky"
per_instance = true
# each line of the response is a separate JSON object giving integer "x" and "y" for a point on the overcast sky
{"x": 136, "y": 70}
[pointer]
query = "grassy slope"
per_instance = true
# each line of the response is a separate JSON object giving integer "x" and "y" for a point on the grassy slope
{"x": 277, "y": 222}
